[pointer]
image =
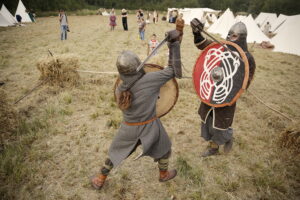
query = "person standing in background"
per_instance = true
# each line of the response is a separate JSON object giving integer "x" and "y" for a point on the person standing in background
{"x": 142, "y": 28}
{"x": 171, "y": 16}
{"x": 154, "y": 17}
{"x": 19, "y": 19}
{"x": 267, "y": 29}
{"x": 112, "y": 20}
{"x": 180, "y": 25}
{"x": 140, "y": 14}
{"x": 124, "y": 19}
{"x": 174, "y": 16}
{"x": 63, "y": 25}
{"x": 148, "y": 17}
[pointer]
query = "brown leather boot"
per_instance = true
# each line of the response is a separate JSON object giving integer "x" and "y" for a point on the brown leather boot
{"x": 210, "y": 152}
{"x": 98, "y": 181}
{"x": 212, "y": 149}
{"x": 165, "y": 175}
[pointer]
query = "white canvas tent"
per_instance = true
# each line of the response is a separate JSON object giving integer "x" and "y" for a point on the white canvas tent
{"x": 263, "y": 18}
{"x": 214, "y": 18}
{"x": 210, "y": 18}
{"x": 186, "y": 14}
{"x": 223, "y": 24}
{"x": 287, "y": 39}
{"x": 278, "y": 23}
{"x": 21, "y": 10}
{"x": 271, "y": 18}
{"x": 170, "y": 10}
{"x": 105, "y": 13}
{"x": 191, "y": 13}
{"x": 239, "y": 18}
{"x": 4, "y": 22}
{"x": 5, "y": 12}
{"x": 254, "y": 34}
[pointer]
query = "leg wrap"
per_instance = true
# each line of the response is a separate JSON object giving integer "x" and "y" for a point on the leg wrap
{"x": 107, "y": 167}
{"x": 213, "y": 145}
{"x": 166, "y": 156}
{"x": 163, "y": 164}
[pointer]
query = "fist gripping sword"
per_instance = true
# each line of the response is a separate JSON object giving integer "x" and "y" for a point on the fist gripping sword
{"x": 172, "y": 37}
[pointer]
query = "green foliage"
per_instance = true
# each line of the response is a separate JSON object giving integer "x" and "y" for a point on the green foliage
{"x": 183, "y": 167}
{"x": 289, "y": 7}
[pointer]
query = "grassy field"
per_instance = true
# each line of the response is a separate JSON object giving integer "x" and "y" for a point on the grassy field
{"x": 63, "y": 134}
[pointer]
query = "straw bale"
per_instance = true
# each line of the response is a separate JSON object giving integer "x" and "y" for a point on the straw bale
{"x": 59, "y": 70}
{"x": 290, "y": 138}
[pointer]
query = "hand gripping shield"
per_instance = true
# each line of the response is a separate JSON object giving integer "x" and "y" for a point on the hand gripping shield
{"x": 221, "y": 74}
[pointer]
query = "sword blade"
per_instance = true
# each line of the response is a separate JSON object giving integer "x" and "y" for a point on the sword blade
{"x": 152, "y": 53}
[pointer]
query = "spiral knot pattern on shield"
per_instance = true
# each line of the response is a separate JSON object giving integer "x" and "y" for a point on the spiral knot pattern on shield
{"x": 218, "y": 90}
{"x": 221, "y": 74}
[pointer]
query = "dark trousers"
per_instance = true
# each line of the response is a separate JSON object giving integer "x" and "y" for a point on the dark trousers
{"x": 124, "y": 22}
{"x": 208, "y": 132}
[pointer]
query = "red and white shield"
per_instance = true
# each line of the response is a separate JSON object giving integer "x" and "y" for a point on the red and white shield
{"x": 220, "y": 76}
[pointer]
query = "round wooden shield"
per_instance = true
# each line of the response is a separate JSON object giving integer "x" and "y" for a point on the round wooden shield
{"x": 168, "y": 93}
{"x": 220, "y": 76}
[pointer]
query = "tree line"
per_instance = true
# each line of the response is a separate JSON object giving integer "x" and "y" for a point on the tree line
{"x": 288, "y": 7}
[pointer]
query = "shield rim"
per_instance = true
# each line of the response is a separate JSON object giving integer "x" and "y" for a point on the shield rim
{"x": 161, "y": 68}
{"x": 245, "y": 82}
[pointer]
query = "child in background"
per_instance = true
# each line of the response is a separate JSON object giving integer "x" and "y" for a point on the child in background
{"x": 152, "y": 43}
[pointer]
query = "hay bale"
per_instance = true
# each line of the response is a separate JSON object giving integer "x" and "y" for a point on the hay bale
{"x": 290, "y": 138}
{"x": 59, "y": 70}
{"x": 8, "y": 118}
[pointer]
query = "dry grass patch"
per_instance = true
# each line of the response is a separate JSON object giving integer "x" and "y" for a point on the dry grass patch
{"x": 8, "y": 119}
{"x": 7, "y": 114}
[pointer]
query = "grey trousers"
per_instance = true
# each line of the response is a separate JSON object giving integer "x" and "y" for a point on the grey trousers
{"x": 219, "y": 137}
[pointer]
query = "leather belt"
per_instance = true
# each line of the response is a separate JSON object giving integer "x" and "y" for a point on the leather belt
{"x": 140, "y": 123}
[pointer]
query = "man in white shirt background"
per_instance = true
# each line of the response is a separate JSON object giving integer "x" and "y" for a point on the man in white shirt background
{"x": 63, "y": 24}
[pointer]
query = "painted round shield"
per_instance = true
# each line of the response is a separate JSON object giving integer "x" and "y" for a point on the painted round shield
{"x": 168, "y": 93}
{"x": 220, "y": 76}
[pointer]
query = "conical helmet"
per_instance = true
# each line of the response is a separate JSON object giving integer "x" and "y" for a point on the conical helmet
{"x": 128, "y": 62}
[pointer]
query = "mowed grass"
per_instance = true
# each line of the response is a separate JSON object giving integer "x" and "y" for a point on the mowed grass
{"x": 64, "y": 133}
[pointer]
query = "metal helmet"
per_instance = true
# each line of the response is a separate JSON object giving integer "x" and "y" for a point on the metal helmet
{"x": 128, "y": 62}
{"x": 238, "y": 35}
